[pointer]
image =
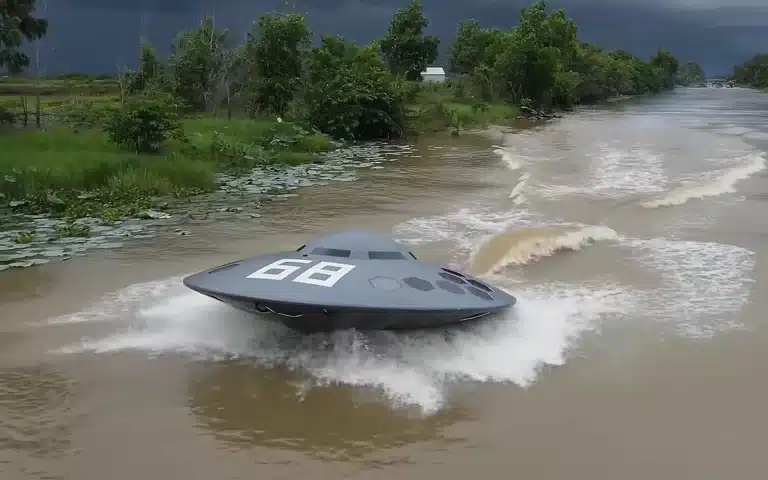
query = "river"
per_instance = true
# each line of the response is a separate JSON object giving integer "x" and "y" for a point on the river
{"x": 635, "y": 237}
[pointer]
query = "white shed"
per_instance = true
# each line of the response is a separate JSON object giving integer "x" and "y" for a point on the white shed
{"x": 433, "y": 74}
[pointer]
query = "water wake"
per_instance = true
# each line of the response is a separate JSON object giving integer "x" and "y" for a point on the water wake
{"x": 524, "y": 246}
{"x": 704, "y": 285}
{"x": 696, "y": 288}
{"x": 512, "y": 161}
{"x": 721, "y": 184}
{"x": 413, "y": 369}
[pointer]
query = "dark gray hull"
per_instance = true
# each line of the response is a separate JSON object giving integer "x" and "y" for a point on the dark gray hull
{"x": 351, "y": 280}
{"x": 316, "y": 318}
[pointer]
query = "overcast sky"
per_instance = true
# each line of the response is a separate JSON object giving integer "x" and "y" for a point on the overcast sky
{"x": 98, "y": 35}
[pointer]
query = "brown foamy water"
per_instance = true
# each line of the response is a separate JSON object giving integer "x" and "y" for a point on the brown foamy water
{"x": 634, "y": 237}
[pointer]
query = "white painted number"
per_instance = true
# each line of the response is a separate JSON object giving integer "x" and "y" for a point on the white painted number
{"x": 282, "y": 268}
{"x": 324, "y": 274}
{"x": 329, "y": 273}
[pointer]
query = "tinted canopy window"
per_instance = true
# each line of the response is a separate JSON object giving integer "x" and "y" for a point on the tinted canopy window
{"x": 385, "y": 256}
{"x": 331, "y": 252}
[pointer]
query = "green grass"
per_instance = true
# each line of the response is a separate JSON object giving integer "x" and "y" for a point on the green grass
{"x": 435, "y": 108}
{"x": 50, "y": 170}
{"x": 240, "y": 143}
{"x": 14, "y": 101}
{"x": 41, "y": 161}
{"x": 58, "y": 159}
{"x": 485, "y": 114}
{"x": 80, "y": 173}
{"x": 47, "y": 86}
{"x": 236, "y": 129}
{"x": 255, "y": 131}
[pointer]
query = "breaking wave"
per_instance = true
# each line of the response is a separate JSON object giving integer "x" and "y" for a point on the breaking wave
{"x": 722, "y": 183}
{"x": 523, "y": 246}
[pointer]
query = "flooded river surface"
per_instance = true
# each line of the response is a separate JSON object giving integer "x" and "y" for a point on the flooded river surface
{"x": 635, "y": 237}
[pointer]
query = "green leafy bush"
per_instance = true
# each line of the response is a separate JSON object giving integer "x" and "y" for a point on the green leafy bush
{"x": 350, "y": 94}
{"x": 144, "y": 123}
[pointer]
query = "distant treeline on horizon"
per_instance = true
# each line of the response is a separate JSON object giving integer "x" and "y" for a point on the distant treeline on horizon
{"x": 108, "y": 76}
{"x": 443, "y": 59}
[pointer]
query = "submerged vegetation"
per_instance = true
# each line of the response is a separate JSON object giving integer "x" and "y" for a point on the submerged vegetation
{"x": 753, "y": 73}
{"x": 111, "y": 147}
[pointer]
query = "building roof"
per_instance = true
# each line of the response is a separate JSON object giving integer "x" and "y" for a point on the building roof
{"x": 433, "y": 71}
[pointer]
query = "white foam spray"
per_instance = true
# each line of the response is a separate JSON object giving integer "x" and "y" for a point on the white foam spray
{"x": 463, "y": 226}
{"x": 517, "y": 192}
{"x": 613, "y": 173}
{"x": 704, "y": 284}
{"x": 722, "y": 183}
{"x": 410, "y": 369}
{"x": 512, "y": 161}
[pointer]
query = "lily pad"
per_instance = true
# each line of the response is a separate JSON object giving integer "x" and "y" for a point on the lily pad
{"x": 240, "y": 194}
{"x": 54, "y": 200}
{"x": 28, "y": 263}
{"x": 107, "y": 245}
{"x": 54, "y": 252}
{"x": 154, "y": 215}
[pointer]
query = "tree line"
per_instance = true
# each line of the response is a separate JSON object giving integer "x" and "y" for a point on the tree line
{"x": 753, "y": 73}
{"x": 352, "y": 91}
{"x": 690, "y": 74}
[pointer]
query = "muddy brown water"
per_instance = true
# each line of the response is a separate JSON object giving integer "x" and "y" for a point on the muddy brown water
{"x": 635, "y": 236}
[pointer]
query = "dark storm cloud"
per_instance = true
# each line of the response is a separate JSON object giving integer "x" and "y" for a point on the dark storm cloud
{"x": 177, "y": 6}
{"x": 96, "y": 35}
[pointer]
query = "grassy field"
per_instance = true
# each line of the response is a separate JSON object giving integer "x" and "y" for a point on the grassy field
{"x": 82, "y": 174}
{"x": 436, "y": 109}
{"x": 15, "y": 86}
{"x": 78, "y": 172}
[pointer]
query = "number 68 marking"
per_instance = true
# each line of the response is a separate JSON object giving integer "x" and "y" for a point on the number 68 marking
{"x": 329, "y": 272}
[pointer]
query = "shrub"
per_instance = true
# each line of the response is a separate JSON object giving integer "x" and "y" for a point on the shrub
{"x": 350, "y": 95}
{"x": 144, "y": 123}
{"x": 6, "y": 116}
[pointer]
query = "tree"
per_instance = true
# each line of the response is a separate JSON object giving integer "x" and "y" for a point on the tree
{"x": 468, "y": 47}
{"x": 17, "y": 23}
{"x": 542, "y": 46}
{"x": 690, "y": 73}
{"x": 473, "y": 58}
{"x": 474, "y": 46}
{"x": 668, "y": 64}
{"x": 752, "y": 73}
{"x": 274, "y": 52}
{"x": 148, "y": 76}
{"x": 350, "y": 94}
{"x": 541, "y": 63}
{"x": 406, "y": 49}
{"x": 200, "y": 64}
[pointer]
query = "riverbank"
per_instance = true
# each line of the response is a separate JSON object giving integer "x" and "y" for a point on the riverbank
{"x": 65, "y": 189}
{"x": 34, "y": 239}
{"x": 69, "y": 167}
{"x": 68, "y": 190}
{"x": 71, "y": 172}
